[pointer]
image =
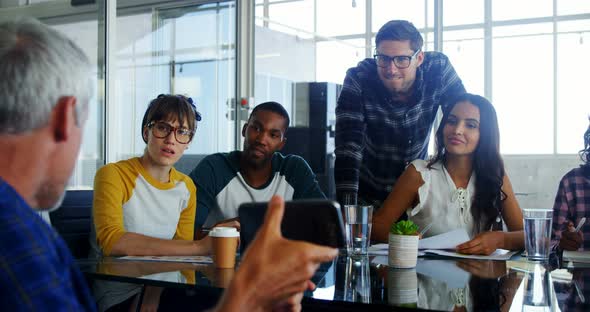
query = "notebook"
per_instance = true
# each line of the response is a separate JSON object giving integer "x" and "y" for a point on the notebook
{"x": 444, "y": 245}
{"x": 576, "y": 256}
{"x": 191, "y": 259}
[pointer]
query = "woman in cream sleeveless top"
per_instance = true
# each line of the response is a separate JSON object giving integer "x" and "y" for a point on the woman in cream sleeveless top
{"x": 463, "y": 186}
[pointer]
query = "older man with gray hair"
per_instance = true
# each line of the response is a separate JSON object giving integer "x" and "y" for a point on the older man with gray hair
{"x": 45, "y": 89}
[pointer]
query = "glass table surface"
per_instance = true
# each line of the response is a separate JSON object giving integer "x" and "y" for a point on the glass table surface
{"x": 367, "y": 283}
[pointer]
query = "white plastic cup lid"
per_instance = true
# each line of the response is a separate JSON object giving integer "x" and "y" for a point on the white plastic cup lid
{"x": 222, "y": 231}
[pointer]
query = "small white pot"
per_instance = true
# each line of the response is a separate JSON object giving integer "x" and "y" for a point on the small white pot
{"x": 403, "y": 251}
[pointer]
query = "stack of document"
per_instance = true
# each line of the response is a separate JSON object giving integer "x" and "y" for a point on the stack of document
{"x": 189, "y": 259}
{"x": 444, "y": 245}
{"x": 576, "y": 256}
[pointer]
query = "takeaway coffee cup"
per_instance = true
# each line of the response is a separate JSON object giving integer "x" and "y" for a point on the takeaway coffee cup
{"x": 225, "y": 243}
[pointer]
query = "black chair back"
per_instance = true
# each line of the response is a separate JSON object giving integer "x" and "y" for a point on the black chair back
{"x": 73, "y": 221}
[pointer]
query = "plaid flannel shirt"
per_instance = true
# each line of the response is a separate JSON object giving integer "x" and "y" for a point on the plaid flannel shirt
{"x": 37, "y": 271}
{"x": 572, "y": 203}
{"x": 376, "y": 137}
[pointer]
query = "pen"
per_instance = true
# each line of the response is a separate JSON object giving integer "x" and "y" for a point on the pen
{"x": 582, "y": 221}
{"x": 579, "y": 292}
{"x": 426, "y": 228}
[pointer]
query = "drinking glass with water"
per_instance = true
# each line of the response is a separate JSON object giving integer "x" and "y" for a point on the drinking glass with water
{"x": 359, "y": 220}
{"x": 537, "y": 233}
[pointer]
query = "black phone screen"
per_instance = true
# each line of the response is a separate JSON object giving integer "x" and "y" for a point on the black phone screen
{"x": 314, "y": 221}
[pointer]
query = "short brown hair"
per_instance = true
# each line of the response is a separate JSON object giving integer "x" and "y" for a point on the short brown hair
{"x": 165, "y": 106}
{"x": 399, "y": 30}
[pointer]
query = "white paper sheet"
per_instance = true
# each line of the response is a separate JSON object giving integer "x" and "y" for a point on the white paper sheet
{"x": 576, "y": 256}
{"x": 384, "y": 259}
{"x": 190, "y": 259}
{"x": 379, "y": 250}
{"x": 444, "y": 245}
{"x": 499, "y": 254}
{"x": 448, "y": 240}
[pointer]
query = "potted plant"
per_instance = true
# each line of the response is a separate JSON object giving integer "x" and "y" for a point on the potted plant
{"x": 403, "y": 244}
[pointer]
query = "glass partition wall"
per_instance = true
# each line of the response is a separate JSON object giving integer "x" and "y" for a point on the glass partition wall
{"x": 489, "y": 43}
{"x": 176, "y": 48}
{"x": 180, "y": 47}
{"x": 83, "y": 24}
{"x": 526, "y": 57}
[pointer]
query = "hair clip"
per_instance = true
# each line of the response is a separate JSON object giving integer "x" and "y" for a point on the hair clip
{"x": 197, "y": 114}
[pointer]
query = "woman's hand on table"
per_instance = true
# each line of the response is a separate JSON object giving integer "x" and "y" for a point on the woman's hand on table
{"x": 483, "y": 244}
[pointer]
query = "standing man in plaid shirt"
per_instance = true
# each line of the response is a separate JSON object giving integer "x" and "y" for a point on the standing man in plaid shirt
{"x": 386, "y": 110}
{"x": 572, "y": 203}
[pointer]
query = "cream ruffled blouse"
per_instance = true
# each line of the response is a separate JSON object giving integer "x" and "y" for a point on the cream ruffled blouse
{"x": 441, "y": 202}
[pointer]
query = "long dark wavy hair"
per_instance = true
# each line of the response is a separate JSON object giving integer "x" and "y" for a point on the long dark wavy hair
{"x": 488, "y": 165}
{"x": 585, "y": 153}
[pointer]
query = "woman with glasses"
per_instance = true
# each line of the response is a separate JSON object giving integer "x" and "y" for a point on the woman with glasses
{"x": 143, "y": 206}
{"x": 463, "y": 186}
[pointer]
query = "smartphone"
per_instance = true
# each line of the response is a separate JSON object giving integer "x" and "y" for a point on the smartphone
{"x": 314, "y": 221}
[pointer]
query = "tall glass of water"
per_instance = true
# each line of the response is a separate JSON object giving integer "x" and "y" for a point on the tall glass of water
{"x": 537, "y": 233}
{"x": 359, "y": 220}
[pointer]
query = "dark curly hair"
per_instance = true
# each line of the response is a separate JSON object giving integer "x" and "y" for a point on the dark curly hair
{"x": 274, "y": 107}
{"x": 488, "y": 165}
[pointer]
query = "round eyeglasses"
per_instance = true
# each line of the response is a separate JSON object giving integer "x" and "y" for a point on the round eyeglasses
{"x": 161, "y": 129}
{"x": 400, "y": 61}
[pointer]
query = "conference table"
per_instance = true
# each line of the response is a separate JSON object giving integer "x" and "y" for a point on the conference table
{"x": 366, "y": 283}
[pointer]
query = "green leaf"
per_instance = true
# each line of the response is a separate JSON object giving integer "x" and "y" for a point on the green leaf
{"x": 404, "y": 227}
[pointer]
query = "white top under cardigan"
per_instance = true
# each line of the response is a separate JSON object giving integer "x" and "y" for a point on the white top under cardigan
{"x": 441, "y": 202}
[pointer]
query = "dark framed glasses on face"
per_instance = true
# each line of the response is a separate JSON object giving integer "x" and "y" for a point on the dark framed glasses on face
{"x": 400, "y": 61}
{"x": 161, "y": 129}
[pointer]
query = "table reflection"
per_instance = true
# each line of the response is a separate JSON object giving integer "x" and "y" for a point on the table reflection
{"x": 538, "y": 290}
{"x": 434, "y": 284}
{"x": 440, "y": 284}
{"x": 574, "y": 295}
{"x": 402, "y": 288}
{"x": 357, "y": 280}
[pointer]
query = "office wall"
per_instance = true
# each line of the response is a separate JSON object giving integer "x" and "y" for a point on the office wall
{"x": 283, "y": 55}
{"x": 535, "y": 178}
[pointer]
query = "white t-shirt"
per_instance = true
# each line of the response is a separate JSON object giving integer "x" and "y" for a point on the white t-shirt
{"x": 441, "y": 202}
